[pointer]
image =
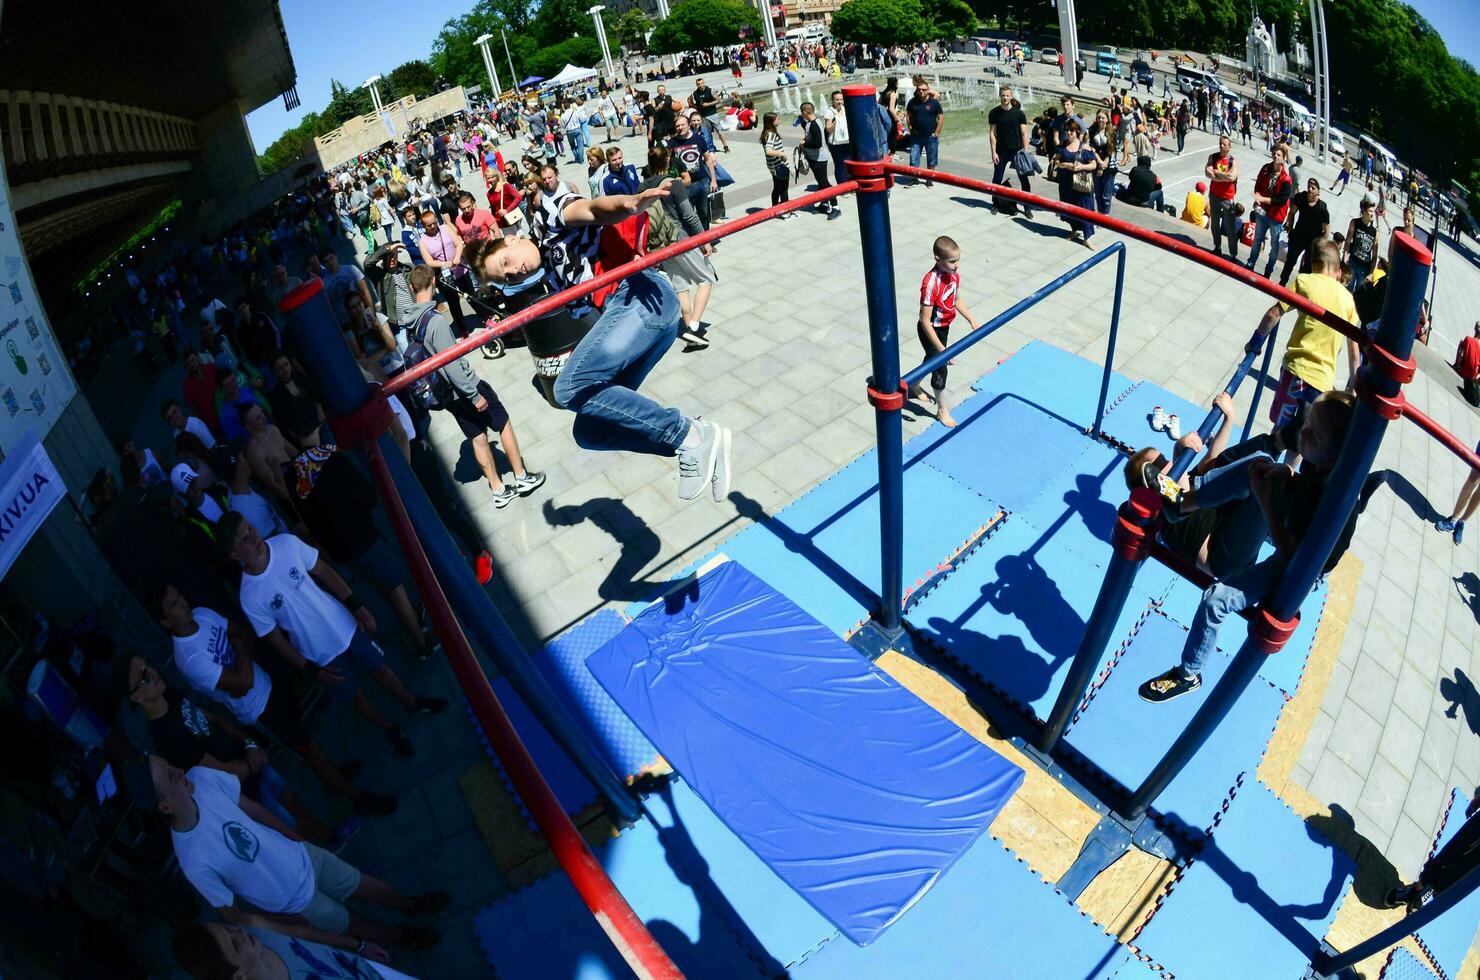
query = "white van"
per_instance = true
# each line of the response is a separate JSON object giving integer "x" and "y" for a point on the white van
{"x": 1188, "y": 77}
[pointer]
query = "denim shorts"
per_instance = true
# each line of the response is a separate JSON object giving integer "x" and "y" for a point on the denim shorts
{"x": 363, "y": 656}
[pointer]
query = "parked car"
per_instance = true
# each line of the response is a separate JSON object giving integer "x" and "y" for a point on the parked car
{"x": 1049, "y": 56}
{"x": 1141, "y": 73}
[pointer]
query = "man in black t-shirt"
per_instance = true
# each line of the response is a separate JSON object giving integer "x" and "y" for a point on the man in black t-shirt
{"x": 1143, "y": 187}
{"x": 1007, "y": 128}
{"x": 695, "y": 154}
{"x": 708, "y": 105}
{"x": 662, "y": 119}
{"x": 1309, "y": 219}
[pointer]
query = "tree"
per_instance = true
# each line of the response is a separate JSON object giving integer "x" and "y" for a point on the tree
{"x": 561, "y": 20}
{"x": 698, "y": 24}
{"x": 882, "y": 22}
{"x": 345, "y": 104}
{"x": 949, "y": 18}
{"x": 631, "y": 30}
{"x": 413, "y": 78}
{"x": 583, "y": 52}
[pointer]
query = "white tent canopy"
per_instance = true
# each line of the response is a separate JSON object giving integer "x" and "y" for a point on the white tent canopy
{"x": 569, "y": 74}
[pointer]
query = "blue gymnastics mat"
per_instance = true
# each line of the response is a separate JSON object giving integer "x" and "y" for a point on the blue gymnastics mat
{"x": 1054, "y": 380}
{"x": 823, "y": 549}
{"x": 571, "y": 787}
{"x": 546, "y": 931}
{"x": 1002, "y": 447}
{"x": 1283, "y": 669}
{"x": 563, "y": 664}
{"x": 1265, "y": 882}
{"x": 855, "y": 792}
{"x": 1403, "y": 965}
{"x": 990, "y": 917}
{"x": 1448, "y": 937}
{"x": 1129, "y": 420}
{"x": 1125, "y": 736}
{"x": 1014, "y": 612}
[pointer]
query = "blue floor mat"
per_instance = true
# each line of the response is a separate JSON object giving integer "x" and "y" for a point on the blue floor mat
{"x": 1125, "y": 736}
{"x": 855, "y": 792}
{"x": 1403, "y": 965}
{"x": 545, "y": 931}
{"x": 1264, "y": 889}
{"x": 1002, "y": 447}
{"x": 1014, "y": 613}
{"x": 823, "y": 550}
{"x": 989, "y": 917}
{"x": 1448, "y": 937}
{"x": 563, "y": 664}
{"x": 1130, "y": 419}
{"x": 571, "y": 787}
{"x": 1055, "y": 380}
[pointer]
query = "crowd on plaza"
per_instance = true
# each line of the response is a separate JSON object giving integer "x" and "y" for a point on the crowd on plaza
{"x": 247, "y": 536}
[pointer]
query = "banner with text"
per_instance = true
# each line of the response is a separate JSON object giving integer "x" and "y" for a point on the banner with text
{"x": 30, "y": 487}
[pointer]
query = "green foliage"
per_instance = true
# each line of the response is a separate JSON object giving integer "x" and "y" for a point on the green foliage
{"x": 561, "y": 20}
{"x": 413, "y": 78}
{"x": 882, "y": 22}
{"x": 698, "y": 24}
{"x": 949, "y": 18}
{"x": 347, "y": 103}
{"x": 631, "y": 30}
{"x": 583, "y": 52}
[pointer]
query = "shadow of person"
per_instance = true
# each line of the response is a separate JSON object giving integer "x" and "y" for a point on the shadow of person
{"x": 1087, "y": 500}
{"x": 1460, "y": 692}
{"x": 639, "y": 543}
{"x": 1376, "y": 875}
{"x": 1467, "y": 587}
{"x": 1412, "y": 496}
{"x": 1024, "y": 591}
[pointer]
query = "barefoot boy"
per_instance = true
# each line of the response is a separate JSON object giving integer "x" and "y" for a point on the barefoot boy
{"x": 940, "y": 301}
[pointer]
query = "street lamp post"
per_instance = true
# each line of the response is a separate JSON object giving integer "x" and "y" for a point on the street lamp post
{"x": 606, "y": 51}
{"x": 482, "y": 43}
{"x": 372, "y": 84}
{"x": 513, "y": 76}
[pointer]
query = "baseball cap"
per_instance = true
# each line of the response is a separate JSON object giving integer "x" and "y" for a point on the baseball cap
{"x": 182, "y": 476}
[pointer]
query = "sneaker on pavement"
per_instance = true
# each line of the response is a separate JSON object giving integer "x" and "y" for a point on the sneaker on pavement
{"x": 429, "y": 706}
{"x": 504, "y": 496}
{"x": 343, "y": 832}
{"x": 696, "y": 461}
{"x": 1446, "y": 526}
{"x": 400, "y": 742}
{"x": 428, "y": 649}
{"x": 483, "y": 567}
{"x": 719, "y": 487}
{"x": 1172, "y": 684}
{"x": 526, "y": 484}
{"x": 375, "y": 804}
{"x": 692, "y": 337}
{"x": 1459, "y": 531}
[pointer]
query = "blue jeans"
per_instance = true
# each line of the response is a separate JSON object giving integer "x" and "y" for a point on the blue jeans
{"x": 931, "y": 147}
{"x": 577, "y": 142}
{"x": 1264, "y": 223}
{"x": 599, "y": 382}
{"x": 699, "y": 191}
{"x": 1227, "y": 597}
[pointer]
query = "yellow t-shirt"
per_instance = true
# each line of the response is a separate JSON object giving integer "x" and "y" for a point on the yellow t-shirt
{"x": 1314, "y": 347}
{"x": 1194, "y": 211}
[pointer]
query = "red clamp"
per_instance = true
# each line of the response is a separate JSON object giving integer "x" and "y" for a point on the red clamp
{"x": 362, "y": 426}
{"x": 869, "y": 174}
{"x": 1136, "y": 525}
{"x": 1387, "y": 364}
{"x": 888, "y": 401}
{"x": 1389, "y": 407}
{"x": 1269, "y": 633}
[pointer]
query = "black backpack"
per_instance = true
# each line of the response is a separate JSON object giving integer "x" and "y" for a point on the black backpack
{"x": 431, "y": 390}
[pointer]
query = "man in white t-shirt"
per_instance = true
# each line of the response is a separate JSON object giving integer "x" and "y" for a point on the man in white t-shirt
{"x": 285, "y": 602}
{"x": 175, "y": 417}
{"x": 214, "y": 657}
{"x": 231, "y": 847}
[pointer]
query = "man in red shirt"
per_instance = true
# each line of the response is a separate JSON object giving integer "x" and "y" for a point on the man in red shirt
{"x": 473, "y": 223}
{"x": 1272, "y": 191}
{"x": 200, "y": 392}
{"x": 1222, "y": 173}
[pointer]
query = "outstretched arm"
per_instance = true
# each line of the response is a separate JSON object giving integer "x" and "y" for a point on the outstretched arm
{"x": 611, "y": 209}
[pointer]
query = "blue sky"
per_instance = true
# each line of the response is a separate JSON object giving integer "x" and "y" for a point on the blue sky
{"x": 351, "y": 43}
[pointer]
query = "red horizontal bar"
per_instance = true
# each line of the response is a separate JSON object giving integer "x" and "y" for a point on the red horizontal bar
{"x": 551, "y": 303}
{"x": 626, "y": 931}
{"x": 1442, "y": 435}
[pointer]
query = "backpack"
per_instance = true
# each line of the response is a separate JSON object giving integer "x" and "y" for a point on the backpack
{"x": 662, "y": 230}
{"x": 432, "y": 390}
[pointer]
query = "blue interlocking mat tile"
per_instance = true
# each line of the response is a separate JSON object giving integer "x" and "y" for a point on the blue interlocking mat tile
{"x": 1263, "y": 890}
{"x": 1130, "y": 419}
{"x": 850, "y": 788}
{"x": 1448, "y": 937}
{"x": 571, "y": 787}
{"x": 1014, "y": 613}
{"x": 563, "y": 664}
{"x": 1125, "y": 736}
{"x": 1054, "y": 380}
{"x": 990, "y": 916}
{"x": 1403, "y": 965}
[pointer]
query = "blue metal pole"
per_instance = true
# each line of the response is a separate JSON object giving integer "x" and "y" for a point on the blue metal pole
{"x": 1326, "y": 965}
{"x": 1183, "y": 460}
{"x": 1269, "y": 346}
{"x": 313, "y": 327}
{"x": 1094, "y": 428}
{"x": 1406, "y": 281}
{"x": 1135, "y": 523}
{"x": 883, "y": 318}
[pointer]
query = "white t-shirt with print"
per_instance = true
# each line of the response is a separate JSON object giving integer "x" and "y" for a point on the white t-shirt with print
{"x": 205, "y": 654}
{"x": 227, "y": 853}
{"x": 286, "y": 595}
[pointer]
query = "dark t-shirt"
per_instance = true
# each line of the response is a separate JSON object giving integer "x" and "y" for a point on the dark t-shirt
{"x": 338, "y": 508}
{"x": 924, "y": 114}
{"x": 663, "y": 116}
{"x": 1309, "y": 218}
{"x": 1141, "y": 181}
{"x": 688, "y": 153}
{"x": 1007, "y": 124}
{"x": 184, "y": 735}
{"x": 705, "y": 101}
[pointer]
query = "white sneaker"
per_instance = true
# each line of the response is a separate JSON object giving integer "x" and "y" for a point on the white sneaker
{"x": 1158, "y": 419}
{"x": 696, "y": 463}
{"x": 1174, "y": 427}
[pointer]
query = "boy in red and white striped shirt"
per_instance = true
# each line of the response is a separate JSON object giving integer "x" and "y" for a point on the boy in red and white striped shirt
{"x": 940, "y": 301}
